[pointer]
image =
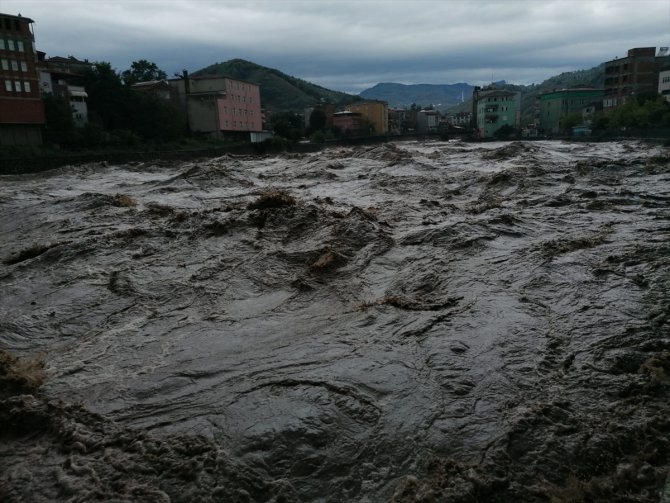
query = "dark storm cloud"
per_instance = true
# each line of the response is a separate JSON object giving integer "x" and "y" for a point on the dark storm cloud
{"x": 349, "y": 45}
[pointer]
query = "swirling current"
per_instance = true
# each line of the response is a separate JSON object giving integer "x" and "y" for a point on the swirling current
{"x": 412, "y": 321}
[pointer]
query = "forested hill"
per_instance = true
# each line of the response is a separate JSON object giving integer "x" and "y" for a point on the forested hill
{"x": 282, "y": 92}
{"x": 279, "y": 92}
{"x": 593, "y": 77}
{"x": 440, "y": 96}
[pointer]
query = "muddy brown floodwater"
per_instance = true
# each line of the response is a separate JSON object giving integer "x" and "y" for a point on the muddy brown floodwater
{"x": 436, "y": 321}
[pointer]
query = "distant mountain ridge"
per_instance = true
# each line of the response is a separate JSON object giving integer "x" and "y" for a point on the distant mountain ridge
{"x": 441, "y": 96}
{"x": 279, "y": 91}
{"x": 282, "y": 92}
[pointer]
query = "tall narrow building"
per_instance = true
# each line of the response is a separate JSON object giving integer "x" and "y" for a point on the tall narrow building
{"x": 494, "y": 108}
{"x": 21, "y": 106}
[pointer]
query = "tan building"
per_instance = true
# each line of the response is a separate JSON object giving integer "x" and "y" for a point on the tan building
{"x": 375, "y": 112}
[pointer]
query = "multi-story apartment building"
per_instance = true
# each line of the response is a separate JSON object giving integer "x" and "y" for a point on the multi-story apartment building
{"x": 21, "y": 107}
{"x": 427, "y": 121}
{"x": 557, "y": 105}
{"x": 375, "y": 112}
{"x": 460, "y": 119}
{"x": 62, "y": 77}
{"x": 494, "y": 108}
{"x": 220, "y": 106}
{"x": 633, "y": 75}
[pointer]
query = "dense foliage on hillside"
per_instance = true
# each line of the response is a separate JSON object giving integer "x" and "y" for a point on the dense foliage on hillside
{"x": 279, "y": 92}
{"x": 440, "y": 96}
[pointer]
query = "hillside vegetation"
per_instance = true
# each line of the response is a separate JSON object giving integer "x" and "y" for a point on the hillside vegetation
{"x": 279, "y": 92}
{"x": 440, "y": 96}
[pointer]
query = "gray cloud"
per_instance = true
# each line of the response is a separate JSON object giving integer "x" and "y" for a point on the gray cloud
{"x": 350, "y": 45}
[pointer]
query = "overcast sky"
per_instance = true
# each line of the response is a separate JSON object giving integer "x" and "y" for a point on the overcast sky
{"x": 352, "y": 45}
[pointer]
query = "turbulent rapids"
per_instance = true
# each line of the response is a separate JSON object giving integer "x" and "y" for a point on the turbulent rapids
{"x": 413, "y": 321}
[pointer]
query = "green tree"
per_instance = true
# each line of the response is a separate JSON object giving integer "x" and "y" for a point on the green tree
{"x": 288, "y": 125}
{"x": 127, "y": 115}
{"x": 142, "y": 71}
{"x": 569, "y": 121}
{"x": 317, "y": 119}
{"x": 106, "y": 95}
{"x": 59, "y": 128}
{"x": 152, "y": 118}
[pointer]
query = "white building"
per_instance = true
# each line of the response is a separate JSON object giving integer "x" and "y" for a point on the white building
{"x": 664, "y": 84}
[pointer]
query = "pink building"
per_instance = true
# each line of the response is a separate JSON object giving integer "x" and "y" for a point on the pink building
{"x": 220, "y": 105}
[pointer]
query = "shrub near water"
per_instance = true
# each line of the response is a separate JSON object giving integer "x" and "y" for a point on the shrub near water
{"x": 272, "y": 199}
{"x": 20, "y": 375}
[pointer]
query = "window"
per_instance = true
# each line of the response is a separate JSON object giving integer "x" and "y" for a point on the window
{"x": 24, "y": 66}
{"x": 10, "y": 45}
{"x": 5, "y": 64}
{"x": 8, "y": 85}
{"x": 17, "y": 86}
{"x": 19, "y": 46}
{"x": 2, "y": 44}
{"x": 15, "y": 65}
{"x": 26, "y": 86}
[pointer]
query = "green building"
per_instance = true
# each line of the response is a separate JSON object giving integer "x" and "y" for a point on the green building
{"x": 557, "y": 105}
{"x": 494, "y": 108}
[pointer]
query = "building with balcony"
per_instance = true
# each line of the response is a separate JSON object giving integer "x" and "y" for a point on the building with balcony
{"x": 460, "y": 119}
{"x": 633, "y": 75}
{"x": 494, "y": 108}
{"x": 62, "y": 77}
{"x": 21, "y": 107}
{"x": 219, "y": 106}
{"x": 559, "y": 104}
{"x": 664, "y": 84}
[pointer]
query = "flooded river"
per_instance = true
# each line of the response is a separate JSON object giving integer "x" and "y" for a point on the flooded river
{"x": 413, "y": 321}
